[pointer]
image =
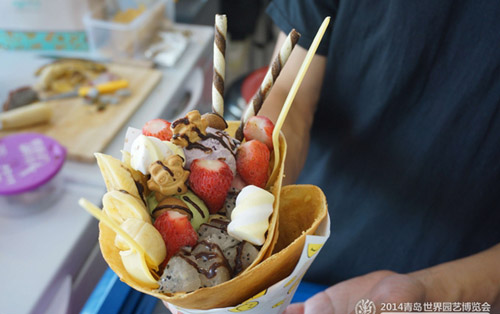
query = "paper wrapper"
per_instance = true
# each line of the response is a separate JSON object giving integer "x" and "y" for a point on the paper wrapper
{"x": 228, "y": 293}
{"x": 304, "y": 228}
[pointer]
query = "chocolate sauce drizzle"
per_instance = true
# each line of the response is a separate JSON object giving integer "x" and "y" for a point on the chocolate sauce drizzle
{"x": 220, "y": 222}
{"x": 211, "y": 272}
{"x": 140, "y": 189}
{"x": 187, "y": 199}
{"x": 238, "y": 263}
{"x": 165, "y": 167}
{"x": 199, "y": 146}
{"x": 218, "y": 136}
{"x": 184, "y": 120}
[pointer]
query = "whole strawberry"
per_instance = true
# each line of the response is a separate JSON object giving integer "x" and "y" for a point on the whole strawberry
{"x": 211, "y": 180}
{"x": 252, "y": 163}
{"x": 259, "y": 128}
{"x": 158, "y": 128}
{"x": 176, "y": 231}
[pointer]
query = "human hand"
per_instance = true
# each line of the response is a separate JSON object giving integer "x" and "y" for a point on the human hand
{"x": 379, "y": 286}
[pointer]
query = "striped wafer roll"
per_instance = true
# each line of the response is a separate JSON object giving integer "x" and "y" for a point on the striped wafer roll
{"x": 219, "y": 64}
{"x": 271, "y": 76}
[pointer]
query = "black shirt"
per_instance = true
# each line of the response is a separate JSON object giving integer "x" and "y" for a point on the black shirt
{"x": 406, "y": 138}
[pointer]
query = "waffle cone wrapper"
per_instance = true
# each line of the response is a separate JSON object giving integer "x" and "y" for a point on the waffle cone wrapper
{"x": 225, "y": 294}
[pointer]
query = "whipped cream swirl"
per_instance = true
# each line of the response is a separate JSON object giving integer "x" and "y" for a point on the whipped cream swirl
{"x": 250, "y": 217}
{"x": 147, "y": 149}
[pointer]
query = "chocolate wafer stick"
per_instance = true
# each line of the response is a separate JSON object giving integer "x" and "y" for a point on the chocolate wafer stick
{"x": 219, "y": 64}
{"x": 271, "y": 76}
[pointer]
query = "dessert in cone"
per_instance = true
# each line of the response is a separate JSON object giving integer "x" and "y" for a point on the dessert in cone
{"x": 133, "y": 257}
{"x": 119, "y": 178}
{"x": 301, "y": 209}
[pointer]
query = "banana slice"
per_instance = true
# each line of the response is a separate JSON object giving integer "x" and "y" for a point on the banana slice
{"x": 119, "y": 205}
{"x": 116, "y": 174}
{"x": 136, "y": 266}
{"x": 147, "y": 237}
{"x": 135, "y": 258}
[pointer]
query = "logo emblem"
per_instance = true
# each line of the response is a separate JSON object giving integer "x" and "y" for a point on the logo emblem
{"x": 365, "y": 306}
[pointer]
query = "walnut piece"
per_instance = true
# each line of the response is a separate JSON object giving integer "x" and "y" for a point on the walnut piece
{"x": 188, "y": 129}
{"x": 215, "y": 121}
{"x": 168, "y": 176}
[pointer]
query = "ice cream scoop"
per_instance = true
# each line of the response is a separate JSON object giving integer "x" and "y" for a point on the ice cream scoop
{"x": 250, "y": 217}
{"x": 238, "y": 254}
{"x": 147, "y": 149}
{"x": 216, "y": 144}
{"x": 197, "y": 208}
{"x": 203, "y": 266}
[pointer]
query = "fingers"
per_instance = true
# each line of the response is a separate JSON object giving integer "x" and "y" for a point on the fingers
{"x": 296, "y": 308}
{"x": 320, "y": 303}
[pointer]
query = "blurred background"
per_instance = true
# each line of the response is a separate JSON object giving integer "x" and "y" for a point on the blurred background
{"x": 74, "y": 75}
{"x": 129, "y": 30}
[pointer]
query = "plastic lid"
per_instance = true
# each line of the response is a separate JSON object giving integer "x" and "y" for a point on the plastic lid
{"x": 27, "y": 161}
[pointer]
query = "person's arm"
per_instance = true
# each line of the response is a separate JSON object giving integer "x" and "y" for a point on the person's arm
{"x": 472, "y": 279}
{"x": 299, "y": 120}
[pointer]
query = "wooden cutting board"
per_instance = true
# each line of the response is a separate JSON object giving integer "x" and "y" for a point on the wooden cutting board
{"x": 82, "y": 129}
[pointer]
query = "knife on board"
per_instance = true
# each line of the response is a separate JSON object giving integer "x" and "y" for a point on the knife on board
{"x": 104, "y": 88}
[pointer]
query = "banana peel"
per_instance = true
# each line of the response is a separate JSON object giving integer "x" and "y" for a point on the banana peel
{"x": 65, "y": 75}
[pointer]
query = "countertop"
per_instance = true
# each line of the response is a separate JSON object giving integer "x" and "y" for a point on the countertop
{"x": 39, "y": 249}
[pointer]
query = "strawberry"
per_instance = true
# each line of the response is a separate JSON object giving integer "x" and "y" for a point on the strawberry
{"x": 158, "y": 128}
{"x": 211, "y": 180}
{"x": 259, "y": 128}
{"x": 176, "y": 231}
{"x": 252, "y": 163}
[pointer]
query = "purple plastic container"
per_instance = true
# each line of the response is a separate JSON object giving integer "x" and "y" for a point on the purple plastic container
{"x": 29, "y": 163}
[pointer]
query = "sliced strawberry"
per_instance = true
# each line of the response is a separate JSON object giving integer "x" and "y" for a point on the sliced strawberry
{"x": 259, "y": 128}
{"x": 176, "y": 231}
{"x": 158, "y": 128}
{"x": 211, "y": 180}
{"x": 252, "y": 163}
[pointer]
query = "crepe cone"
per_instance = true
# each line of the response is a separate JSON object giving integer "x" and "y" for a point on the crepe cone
{"x": 201, "y": 298}
{"x": 302, "y": 208}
